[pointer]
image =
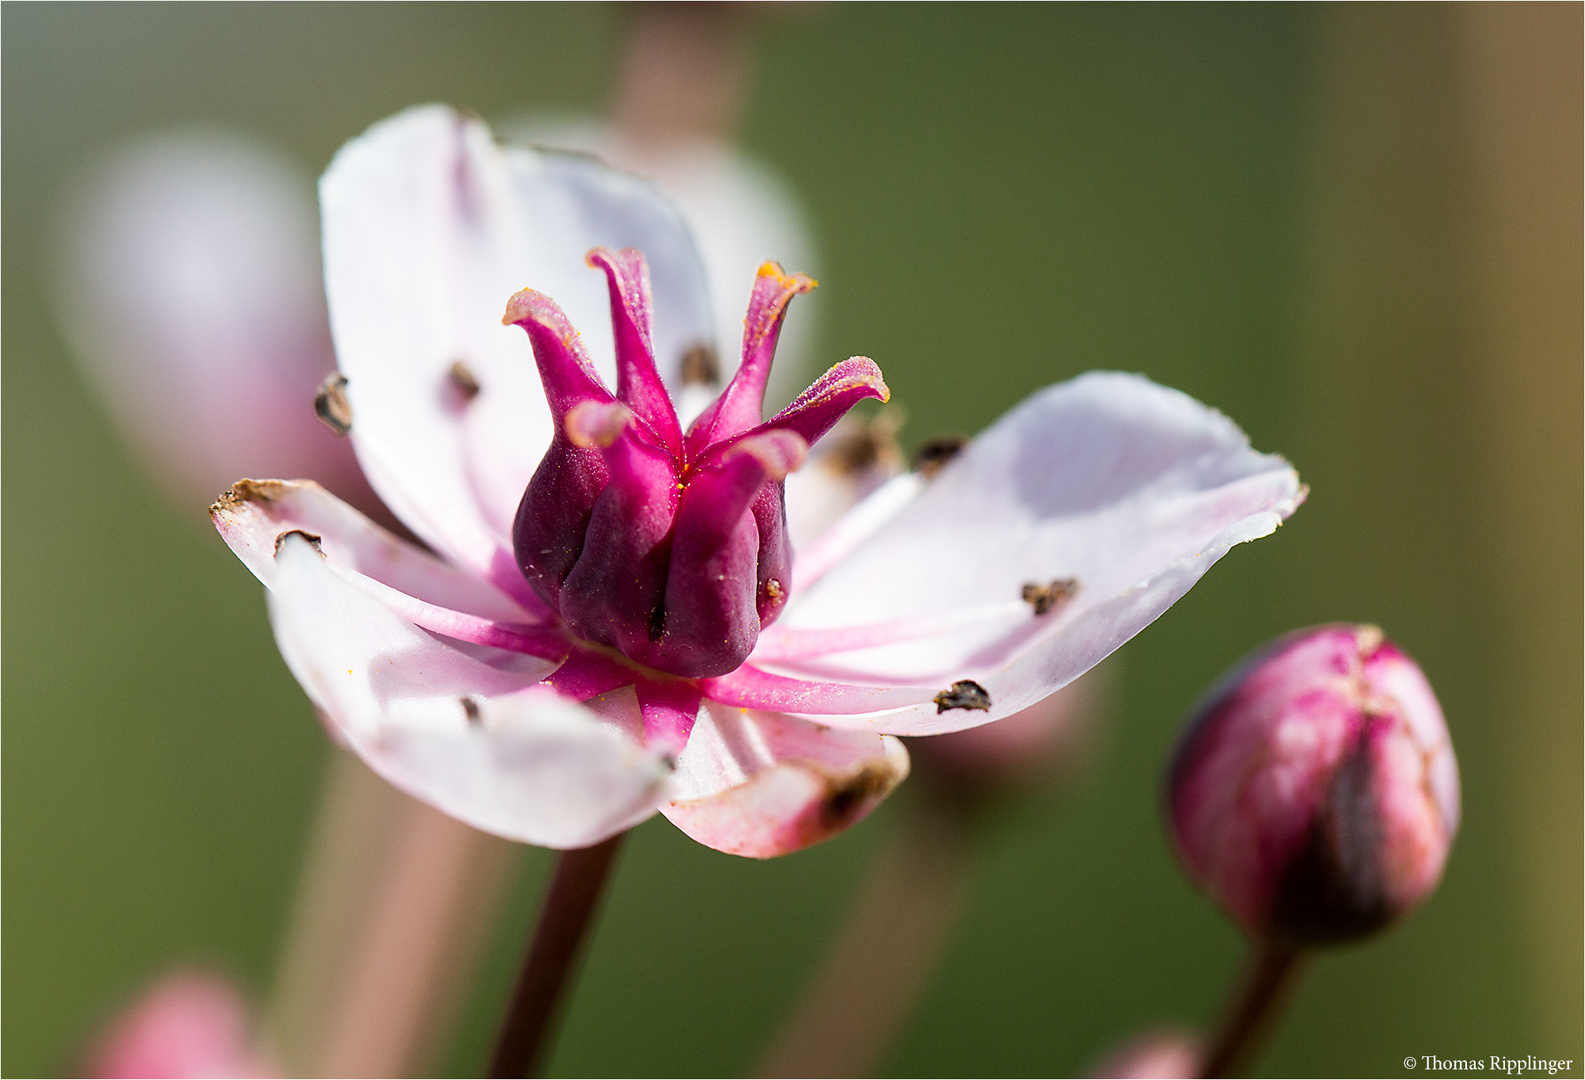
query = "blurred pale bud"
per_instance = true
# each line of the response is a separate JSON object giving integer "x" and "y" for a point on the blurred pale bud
{"x": 1315, "y": 794}
{"x": 1164, "y": 1054}
{"x": 741, "y": 211}
{"x": 189, "y": 1024}
{"x": 188, "y": 287}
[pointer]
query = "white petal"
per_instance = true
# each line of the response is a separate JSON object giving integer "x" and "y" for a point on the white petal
{"x": 465, "y": 729}
{"x": 1130, "y": 488}
{"x": 741, "y": 212}
{"x": 255, "y": 515}
{"x": 766, "y": 784}
{"x": 430, "y": 226}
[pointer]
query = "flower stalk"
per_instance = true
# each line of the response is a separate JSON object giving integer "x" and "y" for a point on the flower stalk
{"x": 574, "y": 893}
{"x": 1253, "y": 1007}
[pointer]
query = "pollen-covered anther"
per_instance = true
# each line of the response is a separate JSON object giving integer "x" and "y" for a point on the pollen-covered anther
{"x": 700, "y": 367}
{"x": 463, "y": 380}
{"x": 312, "y": 538}
{"x": 963, "y": 694}
{"x": 1051, "y": 596}
{"x": 934, "y": 454}
{"x": 330, "y": 404}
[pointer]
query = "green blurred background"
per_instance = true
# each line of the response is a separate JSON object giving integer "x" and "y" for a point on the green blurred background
{"x": 1306, "y": 217}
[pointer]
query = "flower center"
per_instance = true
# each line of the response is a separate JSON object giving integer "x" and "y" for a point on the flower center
{"x": 668, "y": 546}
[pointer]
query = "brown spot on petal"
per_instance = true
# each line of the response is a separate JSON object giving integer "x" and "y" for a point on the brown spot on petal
{"x": 470, "y": 709}
{"x": 312, "y": 538}
{"x": 462, "y": 380}
{"x": 850, "y": 796}
{"x": 963, "y": 694}
{"x": 1047, "y": 598}
{"x": 934, "y": 454}
{"x": 330, "y": 404}
{"x": 700, "y": 367}
{"x": 248, "y": 491}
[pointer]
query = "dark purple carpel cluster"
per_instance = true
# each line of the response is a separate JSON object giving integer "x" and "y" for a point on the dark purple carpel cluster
{"x": 669, "y": 546}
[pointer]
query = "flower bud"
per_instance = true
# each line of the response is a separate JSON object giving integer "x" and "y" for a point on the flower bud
{"x": 187, "y": 1024}
{"x": 1165, "y": 1053}
{"x": 1315, "y": 794}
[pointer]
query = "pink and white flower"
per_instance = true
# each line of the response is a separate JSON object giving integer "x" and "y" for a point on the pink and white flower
{"x": 610, "y": 620}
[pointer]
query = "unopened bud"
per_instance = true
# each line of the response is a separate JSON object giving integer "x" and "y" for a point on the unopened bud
{"x": 1164, "y": 1053}
{"x": 187, "y": 1024}
{"x": 1315, "y": 794}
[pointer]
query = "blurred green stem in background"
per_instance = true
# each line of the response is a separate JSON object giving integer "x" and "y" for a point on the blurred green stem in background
{"x": 907, "y": 909}
{"x": 1520, "y": 98}
{"x": 1445, "y": 278}
{"x": 394, "y": 904}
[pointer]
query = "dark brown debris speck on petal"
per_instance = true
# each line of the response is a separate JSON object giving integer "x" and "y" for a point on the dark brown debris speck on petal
{"x": 462, "y": 380}
{"x": 312, "y": 538}
{"x": 934, "y": 454}
{"x": 700, "y": 366}
{"x": 963, "y": 694}
{"x": 330, "y": 403}
{"x": 1047, "y": 598}
{"x": 846, "y": 798}
{"x": 246, "y": 491}
{"x": 470, "y": 709}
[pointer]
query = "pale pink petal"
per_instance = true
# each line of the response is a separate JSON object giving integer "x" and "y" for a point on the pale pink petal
{"x": 849, "y": 532}
{"x": 844, "y": 467}
{"x": 430, "y": 226}
{"x": 464, "y": 728}
{"x": 764, "y": 784}
{"x": 1128, "y": 488}
{"x": 189, "y": 1024}
{"x": 740, "y": 211}
{"x": 255, "y": 514}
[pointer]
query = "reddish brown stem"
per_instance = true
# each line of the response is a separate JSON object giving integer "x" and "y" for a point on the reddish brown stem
{"x": 563, "y": 922}
{"x": 1256, "y": 1001}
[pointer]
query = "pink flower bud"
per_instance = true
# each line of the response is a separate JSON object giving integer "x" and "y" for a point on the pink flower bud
{"x": 1164, "y": 1053}
{"x": 188, "y": 1024}
{"x": 1315, "y": 795}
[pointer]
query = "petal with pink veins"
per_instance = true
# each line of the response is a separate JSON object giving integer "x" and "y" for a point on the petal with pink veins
{"x": 765, "y": 784}
{"x": 1129, "y": 489}
{"x": 429, "y": 226}
{"x": 464, "y": 728}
